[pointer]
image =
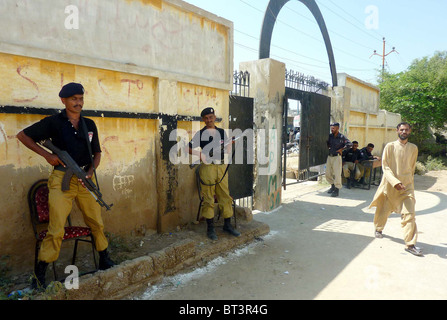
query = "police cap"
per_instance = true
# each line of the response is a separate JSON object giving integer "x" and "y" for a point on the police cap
{"x": 70, "y": 89}
{"x": 207, "y": 111}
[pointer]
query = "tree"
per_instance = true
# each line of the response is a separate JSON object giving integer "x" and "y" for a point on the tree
{"x": 419, "y": 94}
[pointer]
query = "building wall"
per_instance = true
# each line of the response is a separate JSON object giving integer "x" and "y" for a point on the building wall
{"x": 267, "y": 88}
{"x": 355, "y": 104}
{"x": 148, "y": 67}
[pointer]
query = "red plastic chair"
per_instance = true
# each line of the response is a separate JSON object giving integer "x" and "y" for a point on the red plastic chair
{"x": 40, "y": 216}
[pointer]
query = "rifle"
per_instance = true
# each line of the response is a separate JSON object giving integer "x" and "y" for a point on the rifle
{"x": 73, "y": 169}
{"x": 229, "y": 141}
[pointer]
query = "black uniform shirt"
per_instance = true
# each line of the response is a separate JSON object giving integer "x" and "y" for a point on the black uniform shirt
{"x": 59, "y": 129}
{"x": 351, "y": 155}
{"x": 210, "y": 144}
{"x": 366, "y": 155}
{"x": 337, "y": 143}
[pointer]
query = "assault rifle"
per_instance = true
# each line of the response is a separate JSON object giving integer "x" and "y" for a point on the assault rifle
{"x": 72, "y": 168}
{"x": 222, "y": 145}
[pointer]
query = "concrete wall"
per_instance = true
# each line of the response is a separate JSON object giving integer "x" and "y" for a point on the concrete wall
{"x": 267, "y": 87}
{"x": 355, "y": 104}
{"x": 147, "y": 66}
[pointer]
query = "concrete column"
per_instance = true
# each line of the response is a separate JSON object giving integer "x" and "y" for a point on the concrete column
{"x": 341, "y": 107}
{"x": 267, "y": 87}
{"x": 167, "y": 172}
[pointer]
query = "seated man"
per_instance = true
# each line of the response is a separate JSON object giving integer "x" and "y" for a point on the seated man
{"x": 366, "y": 155}
{"x": 351, "y": 159}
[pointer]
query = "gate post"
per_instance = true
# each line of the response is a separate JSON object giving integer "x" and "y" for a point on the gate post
{"x": 267, "y": 87}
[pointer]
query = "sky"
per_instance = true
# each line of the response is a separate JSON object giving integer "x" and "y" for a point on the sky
{"x": 415, "y": 29}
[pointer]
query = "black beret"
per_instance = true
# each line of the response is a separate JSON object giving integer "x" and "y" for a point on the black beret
{"x": 335, "y": 124}
{"x": 70, "y": 89}
{"x": 207, "y": 111}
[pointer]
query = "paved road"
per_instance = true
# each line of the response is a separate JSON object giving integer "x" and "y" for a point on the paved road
{"x": 323, "y": 248}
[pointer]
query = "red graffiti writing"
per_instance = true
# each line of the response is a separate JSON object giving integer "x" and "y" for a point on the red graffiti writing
{"x": 19, "y": 71}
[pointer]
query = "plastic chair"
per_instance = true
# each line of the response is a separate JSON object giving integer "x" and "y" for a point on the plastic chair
{"x": 40, "y": 216}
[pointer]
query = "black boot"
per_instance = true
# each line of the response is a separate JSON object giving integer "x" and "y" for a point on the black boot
{"x": 210, "y": 231}
{"x": 335, "y": 193}
{"x": 331, "y": 189}
{"x": 229, "y": 228}
{"x": 38, "y": 281}
{"x": 348, "y": 183}
{"x": 104, "y": 260}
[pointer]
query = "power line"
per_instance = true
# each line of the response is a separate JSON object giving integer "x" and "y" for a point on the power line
{"x": 349, "y": 69}
{"x": 332, "y": 31}
{"x": 310, "y": 36}
{"x": 355, "y": 20}
{"x": 357, "y": 27}
{"x": 298, "y": 54}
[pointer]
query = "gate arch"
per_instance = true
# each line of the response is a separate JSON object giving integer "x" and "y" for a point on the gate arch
{"x": 273, "y": 9}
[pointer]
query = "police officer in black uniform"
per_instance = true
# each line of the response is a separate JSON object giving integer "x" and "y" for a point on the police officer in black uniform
{"x": 71, "y": 132}
{"x": 213, "y": 172}
{"x": 351, "y": 170}
{"x": 336, "y": 143}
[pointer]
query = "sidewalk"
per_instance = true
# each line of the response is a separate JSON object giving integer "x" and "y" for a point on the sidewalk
{"x": 318, "y": 247}
{"x": 349, "y": 263}
{"x": 163, "y": 255}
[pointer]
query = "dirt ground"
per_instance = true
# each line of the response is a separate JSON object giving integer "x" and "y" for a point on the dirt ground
{"x": 121, "y": 250}
{"x": 324, "y": 248}
{"x": 432, "y": 181}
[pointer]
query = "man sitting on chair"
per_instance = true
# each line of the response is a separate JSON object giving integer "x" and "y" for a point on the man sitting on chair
{"x": 351, "y": 158}
{"x": 366, "y": 155}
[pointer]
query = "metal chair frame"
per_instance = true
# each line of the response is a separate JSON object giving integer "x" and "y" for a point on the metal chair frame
{"x": 36, "y": 221}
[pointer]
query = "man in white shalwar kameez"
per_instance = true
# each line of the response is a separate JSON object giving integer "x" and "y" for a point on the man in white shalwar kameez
{"x": 396, "y": 190}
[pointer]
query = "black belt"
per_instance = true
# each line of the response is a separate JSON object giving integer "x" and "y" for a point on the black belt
{"x": 334, "y": 155}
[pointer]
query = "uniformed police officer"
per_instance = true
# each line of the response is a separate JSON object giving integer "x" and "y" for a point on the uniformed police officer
{"x": 366, "y": 155}
{"x": 336, "y": 143}
{"x": 351, "y": 170}
{"x": 66, "y": 131}
{"x": 212, "y": 171}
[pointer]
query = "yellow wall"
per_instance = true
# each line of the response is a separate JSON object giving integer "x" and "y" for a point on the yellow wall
{"x": 128, "y": 170}
{"x": 33, "y": 82}
{"x": 155, "y": 67}
{"x": 356, "y": 105}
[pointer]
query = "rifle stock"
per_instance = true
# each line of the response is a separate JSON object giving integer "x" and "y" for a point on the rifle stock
{"x": 72, "y": 168}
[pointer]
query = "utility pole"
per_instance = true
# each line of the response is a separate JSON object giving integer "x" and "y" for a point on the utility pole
{"x": 383, "y": 56}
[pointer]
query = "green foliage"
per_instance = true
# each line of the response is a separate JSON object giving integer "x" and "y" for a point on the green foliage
{"x": 433, "y": 149}
{"x": 434, "y": 164}
{"x": 419, "y": 94}
{"x": 420, "y": 168}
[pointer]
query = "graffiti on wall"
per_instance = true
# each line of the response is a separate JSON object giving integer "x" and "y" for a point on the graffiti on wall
{"x": 35, "y": 82}
{"x": 274, "y": 180}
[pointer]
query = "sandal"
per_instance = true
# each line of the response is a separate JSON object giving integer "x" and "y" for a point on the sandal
{"x": 414, "y": 250}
